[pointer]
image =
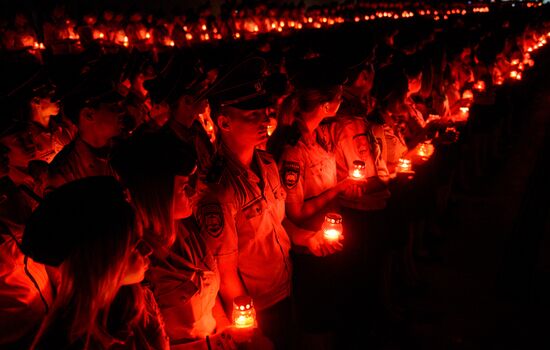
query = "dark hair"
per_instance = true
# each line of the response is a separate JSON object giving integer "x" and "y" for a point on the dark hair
{"x": 147, "y": 165}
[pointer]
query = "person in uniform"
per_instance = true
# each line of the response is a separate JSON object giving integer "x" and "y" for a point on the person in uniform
{"x": 178, "y": 90}
{"x": 159, "y": 171}
{"x": 26, "y": 291}
{"x": 362, "y": 143}
{"x": 85, "y": 229}
{"x": 308, "y": 172}
{"x": 98, "y": 112}
{"x": 241, "y": 213}
{"x": 36, "y": 133}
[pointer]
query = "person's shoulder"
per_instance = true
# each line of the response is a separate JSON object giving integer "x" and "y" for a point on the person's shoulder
{"x": 64, "y": 156}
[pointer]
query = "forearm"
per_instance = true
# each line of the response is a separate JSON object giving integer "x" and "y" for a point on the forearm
{"x": 299, "y": 236}
{"x": 219, "y": 314}
{"x": 312, "y": 206}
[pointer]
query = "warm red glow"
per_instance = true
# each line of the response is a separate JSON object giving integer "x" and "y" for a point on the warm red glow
{"x": 404, "y": 165}
{"x": 359, "y": 170}
{"x": 480, "y": 86}
{"x": 244, "y": 313}
{"x": 468, "y": 95}
{"x": 332, "y": 227}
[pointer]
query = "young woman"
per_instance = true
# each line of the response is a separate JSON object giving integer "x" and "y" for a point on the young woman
{"x": 160, "y": 174}
{"x": 86, "y": 229}
{"x": 308, "y": 171}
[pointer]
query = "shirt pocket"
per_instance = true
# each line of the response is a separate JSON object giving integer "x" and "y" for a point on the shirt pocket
{"x": 251, "y": 221}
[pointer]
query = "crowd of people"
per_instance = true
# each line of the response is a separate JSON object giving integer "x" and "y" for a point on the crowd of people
{"x": 145, "y": 194}
{"x": 64, "y": 31}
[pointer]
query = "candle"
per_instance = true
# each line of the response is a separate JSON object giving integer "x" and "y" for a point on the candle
{"x": 244, "y": 314}
{"x": 332, "y": 227}
{"x": 433, "y": 117}
{"x": 480, "y": 86}
{"x": 358, "y": 172}
{"x": 404, "y": 165}
{"x": 467, "y": 95}
{"x": 425, "y": 149}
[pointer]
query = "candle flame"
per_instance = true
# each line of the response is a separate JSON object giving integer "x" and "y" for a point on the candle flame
{"x": 331, "y": 234}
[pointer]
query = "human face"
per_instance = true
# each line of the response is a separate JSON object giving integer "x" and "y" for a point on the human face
{"x": 248, "y": 127}
{"x": 415, "y": 84}
{"x": 331, "y": 107}
{"x": 184, "y": 196}
{"x": 109, "y": 120}
{"x": 138, "y": 263}
{"x": 49, "y": 107}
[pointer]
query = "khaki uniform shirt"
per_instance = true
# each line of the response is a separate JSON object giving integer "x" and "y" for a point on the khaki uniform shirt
{"x": 242, "y": 213}
{"x": 308, "y": 169}
{"x": 356, "y": 139}
{"x": 77, "y": 160}
{"x": 185, "y": 281}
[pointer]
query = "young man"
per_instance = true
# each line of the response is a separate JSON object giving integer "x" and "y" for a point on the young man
{"x": 98, "y": 112}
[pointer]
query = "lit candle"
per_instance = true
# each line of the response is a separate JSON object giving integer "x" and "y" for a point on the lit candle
{"x": 358, "y": 172}
{"x": 480, "y": 86}
{"x": 404, "y": 165}
{"x": 244, "y": 314}
{"x": 426, "y": 149}
{"x": 433, "y": 117}
{"x": 332, "y": 227}
{"x": 464, "y": 111}
{"x": 467, "y": 95}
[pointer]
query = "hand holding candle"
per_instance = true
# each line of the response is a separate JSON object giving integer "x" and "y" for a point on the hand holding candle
{"x": 332, "y": 227}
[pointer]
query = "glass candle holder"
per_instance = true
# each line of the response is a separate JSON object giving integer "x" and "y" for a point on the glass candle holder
{"x": 359, "y": 170}
{"x": 467, "y": 95}
{"x": 480, "y": 86}
{"x": 332, "y": 227}
{"x": 404, "y": 165}
{"x": 244, "y": 314}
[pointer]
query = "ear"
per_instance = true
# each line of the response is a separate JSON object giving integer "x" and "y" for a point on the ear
{"x": 224, "y": 123}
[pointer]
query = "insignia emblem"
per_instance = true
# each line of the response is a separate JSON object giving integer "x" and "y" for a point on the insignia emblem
{"x": 212, "y": 219}
{"x": 291, "y": 174}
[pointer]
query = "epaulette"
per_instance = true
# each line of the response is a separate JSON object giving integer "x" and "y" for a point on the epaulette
{"x": 292, "y": 135}
{"x": 216, "y": 169}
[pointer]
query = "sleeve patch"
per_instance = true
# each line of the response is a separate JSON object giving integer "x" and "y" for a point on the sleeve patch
{"x": 211, "y": 219}
{"x": 291, "y": 174}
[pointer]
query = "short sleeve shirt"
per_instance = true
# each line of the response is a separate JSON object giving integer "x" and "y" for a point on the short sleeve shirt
{"x": 308, "y": 168}
{"x": 356, "y": 139}
{"x": 242, "y": 213}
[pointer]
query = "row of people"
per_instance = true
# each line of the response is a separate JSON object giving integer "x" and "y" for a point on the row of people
{"x": 198, "y": 190}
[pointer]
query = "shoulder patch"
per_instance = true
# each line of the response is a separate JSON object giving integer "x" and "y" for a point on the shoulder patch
{"x": 211, "y": 219}
{"x": 290, "y": 174}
